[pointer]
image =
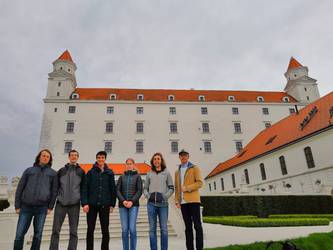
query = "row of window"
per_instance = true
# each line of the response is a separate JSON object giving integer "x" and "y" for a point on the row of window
{"x": 173, "y": 127}
{"x": 173, "y": 111}
{"x": 139, "y": 146}
{"x": 283, "y": 166}
{"x": 201, "y": 98}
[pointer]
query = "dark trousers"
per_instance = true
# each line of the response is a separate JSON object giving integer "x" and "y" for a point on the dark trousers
{"x": 73, "y": 220}
{"x": 191, "y": 216}
{"x": 27, "y": 213}
{"x": 104, "y": 218}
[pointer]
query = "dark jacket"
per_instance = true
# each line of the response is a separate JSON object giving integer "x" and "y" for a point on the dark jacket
{"x": 38, "y": 186}
{"x": 129, "y": 187}
{"x": 70, "y": 181}
{"x": 99, "y": 187}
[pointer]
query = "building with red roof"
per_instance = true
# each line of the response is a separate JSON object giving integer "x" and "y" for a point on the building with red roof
{"x": 291, "y": 156}
{"x": 211, "y": 124}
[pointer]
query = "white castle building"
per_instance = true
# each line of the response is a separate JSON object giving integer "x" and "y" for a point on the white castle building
{"x": 293, "y": 156}
{"x": 212, "y": 125}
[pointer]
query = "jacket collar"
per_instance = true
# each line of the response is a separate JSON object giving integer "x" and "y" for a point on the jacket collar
{"x": 106, "y": 168}
{"x": 189, "y": 165}
{"x": 130, "y": 172}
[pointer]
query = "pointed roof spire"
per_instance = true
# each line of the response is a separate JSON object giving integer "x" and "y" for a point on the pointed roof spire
{"x": 293, "y": 63}
{"x": 66, "y": 56}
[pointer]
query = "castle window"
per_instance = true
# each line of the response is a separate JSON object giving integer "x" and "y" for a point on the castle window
{"x": 201, "y": 98}
{"x": 70, "y": 127}
{"x": 263, "y": 171}
{"x": 68, "y": 146}
{"x": 233, "y": 180}
{"x": 75, "y": 96}
{"x": 110, "y": 110}
{"x": 207, "y": 146}
{"x": 283, "y": 165}
{"x": 171, "y": 98}
{"x": 260, "y": 99}
{"x": 139, "y": 110}
{"x": 172, "y": 110}
{"x": 265, "y": 111}
{"x": 309, "y": 157}
{"x": 235, "y": 111}
{"x": 139, "y": 127}
{"x": 231, "y": 98}
{"x": 113, "y": 97}
{"x": 205, "y": 127}
{"x": 139, "y": 147}
{"x": 286, "y": 99}
{"x": 140, "y": 97}
{"x": 58, "y": 93}
{"x": 109, "y": 127}
{"x": 239, "y": 146}
{"x": 108, "y": 146}
{"x": 291, "y": 110}
{"x": 174, "y": 147}
{"x": 247, "y": 179}
{"x": 204, "y": 110}
{"x": 59, "y": 84}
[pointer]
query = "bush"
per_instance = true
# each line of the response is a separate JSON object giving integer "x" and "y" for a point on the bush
{"x": 327, "y": 216}
{"x": 263, "y": 206}
{"x": 4, "y": 204}
{"x": 241, "y": 221}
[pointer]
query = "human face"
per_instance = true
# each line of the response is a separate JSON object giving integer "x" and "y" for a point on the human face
{"x": 157, "y": 161}
{"x": 44, "y": 158}
{"x": 73, "y": 157}
{"x": 129, "y": 165}
{"x": 100, "y": 160}
{"x": 184, "y": 158}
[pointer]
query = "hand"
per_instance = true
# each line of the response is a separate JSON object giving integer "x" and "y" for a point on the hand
{"x": 17, "y": 210}
{"x": 86, "y": 209}
{"x": 129, "y": 204}
{"x": 184, "y": 189}
{"x": 111, "y": 210}
{"x": 125, "y": 203}
{"x": 178, "y": 205}
{"x": 49, "y": 211}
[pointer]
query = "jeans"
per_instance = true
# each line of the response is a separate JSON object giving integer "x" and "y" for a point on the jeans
{"x": 162, "y": 213}
{"x": 27, "y": 213}
{"x": 128, "y": 225}
{"x": 73, "y": 220}
{"x": 104, "y": 219}
{"x": 191, "y": 216}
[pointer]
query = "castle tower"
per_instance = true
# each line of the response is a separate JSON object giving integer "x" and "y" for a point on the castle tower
{"x": 299, "y": 85}
{"x": 62, "y": 82}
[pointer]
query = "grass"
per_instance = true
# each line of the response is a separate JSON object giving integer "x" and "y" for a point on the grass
{"x": 316, "y": 241}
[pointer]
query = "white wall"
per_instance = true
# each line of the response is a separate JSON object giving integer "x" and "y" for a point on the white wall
{"x": 90, "y": 118}
{"x": 301, "y": 178}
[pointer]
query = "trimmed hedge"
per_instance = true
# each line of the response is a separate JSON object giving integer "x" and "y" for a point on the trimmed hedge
{"x": 266, "y": 222}
{"x": 262, "y": 206}
{"x": 4, "y": 204}
{"x": 327, "y": 216}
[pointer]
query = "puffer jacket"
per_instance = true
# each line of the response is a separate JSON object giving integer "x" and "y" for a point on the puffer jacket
{"x": 129, "y": 187}
{"x": 38, "y": 186}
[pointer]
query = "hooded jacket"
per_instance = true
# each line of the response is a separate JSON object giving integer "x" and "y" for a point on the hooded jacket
{"x": 38, "y": 186}
{"x": 70, "y": 181}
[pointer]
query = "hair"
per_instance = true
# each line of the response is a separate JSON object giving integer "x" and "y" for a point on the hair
{"x": 130, "y": 159}
{"x": 163, "y": 165}
{"x": 72, "y": 151}
{"x": 37, "y": 159}
{"x": 101, "y": 153}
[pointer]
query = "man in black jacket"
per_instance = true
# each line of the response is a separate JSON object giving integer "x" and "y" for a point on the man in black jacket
{"x": 98, "y": 197}
{"x": 70, "y": 178}
{"x": 34, "y": 198}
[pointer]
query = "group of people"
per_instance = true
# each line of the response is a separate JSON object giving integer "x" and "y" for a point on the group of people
{"x": 41, "y": 188}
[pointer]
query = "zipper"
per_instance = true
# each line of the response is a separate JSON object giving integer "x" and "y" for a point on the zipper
{"x": 155, "y": 197}
{"x": 128, "y": 179}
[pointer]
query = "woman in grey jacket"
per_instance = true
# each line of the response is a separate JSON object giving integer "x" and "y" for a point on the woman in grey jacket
{"x": 129, "y": 191}
{"x": 158, "y": 189}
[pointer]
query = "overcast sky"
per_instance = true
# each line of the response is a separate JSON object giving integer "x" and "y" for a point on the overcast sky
{"x": 243, "y": 45}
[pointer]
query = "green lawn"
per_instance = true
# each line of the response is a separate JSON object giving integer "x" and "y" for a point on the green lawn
{"x": 316, "y": 241}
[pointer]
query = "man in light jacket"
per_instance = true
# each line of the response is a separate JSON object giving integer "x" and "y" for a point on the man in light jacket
{"x": 188, "y": 181}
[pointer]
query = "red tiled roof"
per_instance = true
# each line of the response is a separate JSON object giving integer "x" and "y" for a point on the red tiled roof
{"x": 293, "y": 63}
{"x": 286, "y": 131}
{"x": 180, "y": 95}
{"x": 119, "y": 168}
{"x": 66, "y": 56}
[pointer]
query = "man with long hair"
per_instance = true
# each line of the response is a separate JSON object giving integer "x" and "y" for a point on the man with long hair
{"x": 70, "y": 178}
{"x": 34, "y": 199}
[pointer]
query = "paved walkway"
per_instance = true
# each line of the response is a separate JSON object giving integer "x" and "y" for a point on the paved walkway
{"x": 215, "y": 236}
